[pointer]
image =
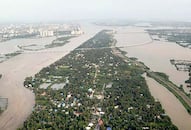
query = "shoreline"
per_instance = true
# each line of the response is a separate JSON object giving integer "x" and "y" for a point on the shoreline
{"x": 45, "y": 96}
{"x": 38, "y": 61}
{"x": 147, "y": 55}
{"x": 16, "y": 69}
{"x": 155, "y": 88}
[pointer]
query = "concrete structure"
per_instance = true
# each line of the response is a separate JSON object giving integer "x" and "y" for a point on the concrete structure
{"x": 46, "y": 33}
{"x": 3, "y": 103}
{"x": 77, "y": 31}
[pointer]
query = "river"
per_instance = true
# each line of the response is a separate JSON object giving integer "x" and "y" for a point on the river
{"x": 11, "y": 45}
{"x": 178, "y": 114}
{"x": 156, "y": 55}
{"x": 16, "y": 69}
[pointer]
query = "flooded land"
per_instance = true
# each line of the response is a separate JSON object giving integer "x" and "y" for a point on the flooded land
{"x": 12, "y": 45}
{"x": 156, "y": 55}
{"x": 170, "y": 103}
{"x": 134, "y": 40}
{"x": 15, "y": 70}
{"x": 100, "y": 84}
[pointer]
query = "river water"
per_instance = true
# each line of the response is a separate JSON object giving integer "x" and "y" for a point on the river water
{"x": 16, "y": 69}
{"x": 171, "y": 104}
{"x": 11, "y": 45}
{"x": 157, "y": 55}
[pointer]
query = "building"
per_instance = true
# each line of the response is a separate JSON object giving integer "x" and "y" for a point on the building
{"x": 46, "y": 33}
{"x": 77, "y": 31}
{"x": 3, "y": 103}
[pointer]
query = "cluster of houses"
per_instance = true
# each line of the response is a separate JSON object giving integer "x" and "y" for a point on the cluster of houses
{"x": 8, "y": 32}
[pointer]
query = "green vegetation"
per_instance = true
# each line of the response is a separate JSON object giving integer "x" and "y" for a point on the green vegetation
{"x": 55, "y": 43}
{"x": 183, "y": 65}
{"x": 98, "y": 84}
{"x": 9, "y": 55}
{"x": 189, "y": 80}
{"x": 103, "y": 39}
{"x": 59, "y": 42}
{"x": 1, "y": 111}
{"x": 178, "y": 92}
{"x": 163, "y": 75}
{"x": 179, "y": 36}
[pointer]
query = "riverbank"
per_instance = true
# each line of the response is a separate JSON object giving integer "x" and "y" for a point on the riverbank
{"x": 98, "y": 83}
{"x": 156, "y": 56}
{"x": 16, "y": 69}
{"x": 170, "y": 103}
{"x": 24, "y": 65}
{"x": 178, "y": 93}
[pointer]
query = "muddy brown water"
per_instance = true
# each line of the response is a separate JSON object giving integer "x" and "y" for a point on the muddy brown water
{"x": 171, "y": 104}
{"x": 156, "y": 55}
{"x": 16, "y": 69}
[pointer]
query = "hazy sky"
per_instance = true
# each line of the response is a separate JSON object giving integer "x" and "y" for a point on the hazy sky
{"x": 61, "y": 10}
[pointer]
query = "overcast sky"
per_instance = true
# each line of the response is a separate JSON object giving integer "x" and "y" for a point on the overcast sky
{"x": 61, "y": 10}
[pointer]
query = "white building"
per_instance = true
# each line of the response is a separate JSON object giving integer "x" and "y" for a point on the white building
{"x": 46, "y": 33}
{"x": 77, "y": 31}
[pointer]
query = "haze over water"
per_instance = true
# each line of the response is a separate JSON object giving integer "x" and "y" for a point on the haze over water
{"x": 155, "y": 55}
{"x": 63, "y": 10}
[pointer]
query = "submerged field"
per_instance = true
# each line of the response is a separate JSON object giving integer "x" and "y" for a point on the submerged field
{"x": 96, "y": 87}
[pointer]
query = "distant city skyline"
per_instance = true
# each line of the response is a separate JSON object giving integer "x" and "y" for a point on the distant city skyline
{"x": 64, "y": 10}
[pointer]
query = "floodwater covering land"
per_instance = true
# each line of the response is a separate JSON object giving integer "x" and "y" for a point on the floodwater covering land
{"x": 170, "y": 103}
{"x": 16, "y": 69}
{"x": 89, "y": 98}
{"x": 12, "y": 45}
{"x": 156, "y": 55}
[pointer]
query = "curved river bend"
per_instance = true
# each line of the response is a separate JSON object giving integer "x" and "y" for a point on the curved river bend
{"x": 157, "y": 55}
